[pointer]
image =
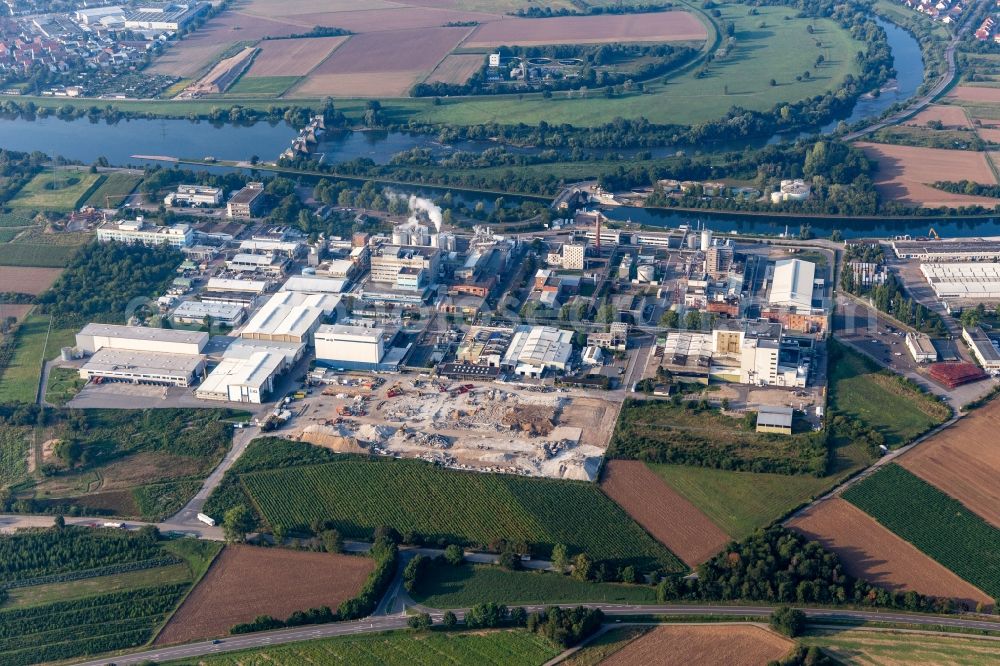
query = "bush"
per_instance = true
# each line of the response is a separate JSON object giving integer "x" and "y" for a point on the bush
{"x": 485, "y": 616}
{"x": 788, "y": 621}
{"x": 454, "y": 555}
{"x": 421, "y": 622}
{"x": 566, "y": 627}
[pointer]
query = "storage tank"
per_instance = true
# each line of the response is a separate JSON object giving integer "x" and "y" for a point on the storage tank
{"x": 692, "y": 240}
{"x": 447, "y": 242}
{"x": 646, "y": 273}
{"x": 401, "y": 235}
{"x": 706, "y": 239}
{"x": 66, "y": 353}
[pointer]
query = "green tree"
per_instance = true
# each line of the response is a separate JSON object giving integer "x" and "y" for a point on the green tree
{"x": 582, "y": 567}
{"x": 454, "y": 555}
{"x": 237, "y": 523}
{"x": 332, "y": 541}
{"x": 421, "y": 622}
{"x": 449, "y": 620}
{"x": 560, "y": 557}
{"x": 606, "y": 314}
{"x": 670, "y": 319}
{"x": 692, "y": 320}
{"x": 788, "y": 621}
{"x": 59, "y": 522}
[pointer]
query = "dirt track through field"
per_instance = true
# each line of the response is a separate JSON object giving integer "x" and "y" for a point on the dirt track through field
{"x": 662, "y": 511}
{"x": 685, "y": 645}
{"x": 869, "y": 551}
{"x": 964, "y": 462}
{"x": 247, "y": 581}
{"x": 906, "y": 173}
{"x": 658, "y": 27}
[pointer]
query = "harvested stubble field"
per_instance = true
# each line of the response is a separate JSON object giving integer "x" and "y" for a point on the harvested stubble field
{"x": 964, "y": 462}
{"x": 976, "y": 94}
{"x": 27, "y": 279}
{"x": 291, "y": 57}
{"x": 657, "y": 27}
{"x": 665, "y": 514}
{"x": 681, "y": 645}
{"x": 456, "y": 69}
{"x": 991, "y": 134}
{"x": 247, "y": 581}
{"x": 886, "y": 648}
{"x": 870, "y": 551}
{"x": 380, "y": 64}
{"x": 905, "y": 174}
{"x": 951, "y": 117}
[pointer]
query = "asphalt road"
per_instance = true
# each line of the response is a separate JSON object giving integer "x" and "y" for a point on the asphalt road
{"x": 379, "y": 624}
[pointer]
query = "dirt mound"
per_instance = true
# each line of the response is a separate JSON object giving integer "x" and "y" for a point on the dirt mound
{"x": 331, "y": 437}
{"x": 536, "y": 420}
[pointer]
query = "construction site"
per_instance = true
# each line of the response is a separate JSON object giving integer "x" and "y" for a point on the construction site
{"x": 494, "y": 427}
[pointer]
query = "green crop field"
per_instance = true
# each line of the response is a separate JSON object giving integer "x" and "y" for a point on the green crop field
{"x": 13, "y": 454}
{"x": 112, "y": 190}
{"x": 446, "y": 586}
{"x": 937, "y": 524}
{"x": 8, "y": 234}
{"x": 15, "y": 220}
{"x": 782, "y": 49}
{"x": 850, "y": 646}
{"x": 740, "y": 502}
{"x": 58, "y": 191}
{"x": 482, "y": 648}
{"x": 35, "y": 254}
{"x": 262, "y": 85}
{"x": 859, "y": 389}
{"x": 20, "y": 376}
{"x": 38, "y": 595}
{"x": 360, "y": 495}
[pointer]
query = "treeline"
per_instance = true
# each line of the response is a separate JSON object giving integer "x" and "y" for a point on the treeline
{"x": 968, "y": 187}
{"x": 385, "y": 552}
{"x": 891, "y": 297}
{"x": 108, "y": 282}
{"x": 653, "y": 60}
{"x": 591, "y": 10}
{"x": 317, "y": 31}
{"x": 777, "y": 565}
{"x": 564, "y": 627}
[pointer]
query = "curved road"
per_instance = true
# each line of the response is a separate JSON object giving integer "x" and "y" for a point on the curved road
{"x": 378, "y": 624}
{"x": 927, "y": 98}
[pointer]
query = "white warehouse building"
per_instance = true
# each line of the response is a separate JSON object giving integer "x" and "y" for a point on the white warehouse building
{"x": 350, "y": 347}
{"x": 137, "y": 232}
{"x": 248, "y": 379}
{"x": 793, "y": 284}
{"x": 969, "y": 280}
{"x": 535, "y": 349}
{"x": 94, "y": 337}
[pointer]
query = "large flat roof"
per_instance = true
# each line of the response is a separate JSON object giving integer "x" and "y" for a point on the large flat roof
{"x": 200, "y": 309}
{"x": 145, "y": 333}
{"x": 360, "y": 333}
{"x": 314, "y": 284}
{"x": 768, "y": 415}
{"x": 146, "y": 363}
{"x": 252, "y": 371}
{"x": 793, "y": 284}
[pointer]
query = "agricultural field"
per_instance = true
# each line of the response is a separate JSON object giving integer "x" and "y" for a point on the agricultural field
{"x": 905, "y": 174}
{"x": 975, "y": 95}
{"x": 456, "y": 69}
{"x": 381, "y": 64}
{"x": 664, "y": 513}
{"x": 28, "y": 254}
{"x": 964, "y": 462}
{"x": 481, "y": 648}
{"x": 27, "y": 280}
{"x": 659, "y": 27}
{"x": 34, "y": 342}
{"x": 135, "y": 464}
{"x": 741, "y": 502}
{"x": 14, "y": 445}
{"x": 680, "y": 645}
{"x": 446, "y": 586}
{"x": 659, "y": 431}
{"x": 262, "y": 85}
{"x": 111, "y": 592}
{"x": 951, "y": 117}
{"x": 359, "y": 495}
{"x": 284, "y": 581}
{"x": 873, "y": 553}
{"x": 113, "y": 189}
{"x": 291, "y": 57}
{"x": 877, "y": 648}
{"x": 607, "y": 643}
{"x": 57, "y": 191}
{"x": 859, "y": 389}
{"x": 933, "y": 522}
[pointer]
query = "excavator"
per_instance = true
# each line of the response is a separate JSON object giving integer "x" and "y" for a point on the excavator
{"x": 933, "y": 234}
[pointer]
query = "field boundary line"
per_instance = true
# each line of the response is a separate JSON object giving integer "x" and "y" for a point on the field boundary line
{"x": 194, "y": 583}
{"x": 305, "y": 77}
{"x": 445, "y": 56}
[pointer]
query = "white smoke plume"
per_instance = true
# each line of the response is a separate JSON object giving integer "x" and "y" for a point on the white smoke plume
{"x": 426, "y": 206}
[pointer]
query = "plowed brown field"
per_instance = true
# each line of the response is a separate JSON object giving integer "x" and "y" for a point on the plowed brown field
{"x": 950, "y": 117}
{"x": 976, "y": 94}
{"x": 905, "y": 174}
{"x": 292, "y": 57}
{"x": 964, "y": 462}
{"x": 457, "y": 69}
{"x": 659, "y": 27}
{"x": 247, "y": 581}
{"x": 991, "y": 134}
{"x": 662, "y": 511}
{"x": 26, "y": 280}
{"x": 683, "y": 645}
{"x": 871, "y": 552}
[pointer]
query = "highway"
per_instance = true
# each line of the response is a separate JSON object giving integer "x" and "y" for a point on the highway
{"x": 386, "y": 623}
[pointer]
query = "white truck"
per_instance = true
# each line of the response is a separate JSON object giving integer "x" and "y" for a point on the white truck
{"x": 114, "y": 525}
{"x": 208, "y": 520}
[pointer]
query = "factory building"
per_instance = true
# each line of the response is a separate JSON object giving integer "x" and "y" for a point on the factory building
{"x": 574, "y": 257}
{"x": 718, "y": 261}
{"x": 143, "y": 367}
{"x": 94, "y": 337}
{"x": 247, "y": 202}
{"x": 968, "y": 280}
{"x": 290, "y": 316}
{"x": 984, "y": 348}
{"x": 194, "y": 195}
{"x": 249, "y": 379}
{"x": 350, "y": 347}
{"x": 407, "y": 268}
{"x": 535, "y": 349}
{"x": 198, "y": 312}
{"x": 137, "y": 232}
{"x": 921, "y": 348}
{"x": 937, "y": 251}
{"x": 793, "y": 284}
{"x": 484, "y": 346}
{"x": 311, "y": 284}
{"x": 236, "y": 285}
{"x": 283, "y": 248}
{"x": 257, "y": 263}
{"x": 775, "y": 419}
